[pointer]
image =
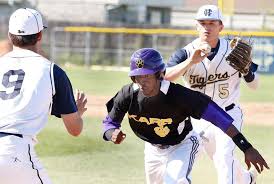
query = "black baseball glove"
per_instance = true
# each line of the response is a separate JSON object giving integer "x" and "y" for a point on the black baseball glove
{"x": 240, "y": 56}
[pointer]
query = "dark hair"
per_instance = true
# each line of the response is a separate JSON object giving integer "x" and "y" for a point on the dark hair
{"x": 23, "y": 40}
{"x": 158, "y": 75}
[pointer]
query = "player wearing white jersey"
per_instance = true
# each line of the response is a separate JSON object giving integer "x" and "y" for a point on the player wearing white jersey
{"x": 31, "y": 87}
{"x": 209, "y": 73}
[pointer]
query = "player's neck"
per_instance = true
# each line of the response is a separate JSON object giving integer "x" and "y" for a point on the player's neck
{"x": 31, "y": 48}
{"x": 213, "y": 43}
{"x": 155, "y": 90}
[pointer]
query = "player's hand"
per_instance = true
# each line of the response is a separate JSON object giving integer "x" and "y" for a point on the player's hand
{"x": 200, "y": 53}
{"x": 118, "y": 136}
{"x": 254, "y": 157}
{"x": 205, "y": 48}
{"x": 81, "y": 102}
{"x": 197, "y": 56}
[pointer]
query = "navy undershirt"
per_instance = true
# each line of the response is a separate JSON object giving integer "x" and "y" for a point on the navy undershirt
{"x": 63, "y": 100}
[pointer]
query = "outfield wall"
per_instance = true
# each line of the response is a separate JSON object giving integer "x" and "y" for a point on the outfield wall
{"x": 113, "y": 46}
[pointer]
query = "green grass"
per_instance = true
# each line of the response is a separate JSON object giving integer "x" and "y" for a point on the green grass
{"x": 97, "y": 82}
{"x": 88, "y": 159}
{"x": 265, "y": 92}
{"x": 108, "y": 82}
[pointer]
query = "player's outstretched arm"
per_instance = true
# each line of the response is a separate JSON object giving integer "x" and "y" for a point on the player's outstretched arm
{"x": 81, "y": 102}
{"x": 217, "y": 116}
{"x": 73, "y": 121}
{"x": 252, "y": 156}
{"x": 112, "y": 131}
{"x": 174, "y": 72}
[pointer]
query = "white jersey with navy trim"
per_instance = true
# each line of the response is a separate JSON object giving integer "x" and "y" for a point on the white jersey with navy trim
{"x": 216, "y": 78}
{"x": 26, "y": 90}
{"x": 221, "y": 82}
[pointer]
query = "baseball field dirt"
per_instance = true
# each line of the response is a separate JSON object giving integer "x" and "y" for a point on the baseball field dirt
{"x": 254, "y": 113}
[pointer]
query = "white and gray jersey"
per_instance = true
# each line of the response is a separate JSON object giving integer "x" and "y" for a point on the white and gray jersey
{"x": 213, "y": 76}
{"x": 29, "y": 89}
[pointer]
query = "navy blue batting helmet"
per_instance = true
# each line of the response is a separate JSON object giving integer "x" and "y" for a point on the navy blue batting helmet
{"x": 146, "y": 61}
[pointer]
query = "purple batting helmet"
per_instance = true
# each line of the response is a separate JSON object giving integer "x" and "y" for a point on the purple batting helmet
{"x": 146, "y": 61}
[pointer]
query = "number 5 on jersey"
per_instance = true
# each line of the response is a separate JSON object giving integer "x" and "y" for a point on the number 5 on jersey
{"x": 8, "y": 82}
{"x": 223, "y": 89}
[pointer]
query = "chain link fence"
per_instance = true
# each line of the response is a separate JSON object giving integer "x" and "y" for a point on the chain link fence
{"x": 112, "y": 48}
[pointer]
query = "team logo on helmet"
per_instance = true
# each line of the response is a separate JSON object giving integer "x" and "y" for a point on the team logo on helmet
{"x": 139, "y": 63}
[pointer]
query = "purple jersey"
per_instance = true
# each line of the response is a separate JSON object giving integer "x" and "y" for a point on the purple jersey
{"x": 160, "y": 119}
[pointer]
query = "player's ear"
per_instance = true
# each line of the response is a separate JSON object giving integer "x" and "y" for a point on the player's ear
{"x": 39, "y": 36}
{"x": 221, "y": 26}
{"x": 160, "y": 75}
{"x": 133, "y": 79}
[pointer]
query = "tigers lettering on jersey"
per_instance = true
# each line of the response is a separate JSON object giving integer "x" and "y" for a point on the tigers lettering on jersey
{"x": 214, "y": 77}
{"x": 196, "y": 81}
{"x": 161, "y": 130}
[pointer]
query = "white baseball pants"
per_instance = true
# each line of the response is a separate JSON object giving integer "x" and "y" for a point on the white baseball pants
{"x": 19, "y": 162}
{"x": 172, "y": 165}
{"x": 220, "y": 148}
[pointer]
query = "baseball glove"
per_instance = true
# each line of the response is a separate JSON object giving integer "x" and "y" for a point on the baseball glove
{"x": 239, "y": 57}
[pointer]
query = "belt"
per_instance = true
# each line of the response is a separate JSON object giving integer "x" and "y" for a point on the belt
{"x": 231, "y": 106}
{"x": 161, "y": 146}
{"x": 3, "y": 134}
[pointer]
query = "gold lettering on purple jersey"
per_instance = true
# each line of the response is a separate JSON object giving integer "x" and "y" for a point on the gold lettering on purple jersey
{"x": 161, "y": 130}
{"x": 132, "y": 117}
{"x": 145, "y": 120}
{"x": 196, "y": 81}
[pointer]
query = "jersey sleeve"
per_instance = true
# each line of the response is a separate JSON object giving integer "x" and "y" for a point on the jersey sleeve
{"x": 63, "y": 100}
{"x": 192, "y": 102}
{"x": 117, "y": 107}
{"x": 217, "y": 116}
{"x": 177, "y": 57}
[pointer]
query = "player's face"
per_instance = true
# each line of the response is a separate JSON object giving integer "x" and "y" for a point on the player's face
{"x": 209, "y": 29}
{"x": 148, "y": 84}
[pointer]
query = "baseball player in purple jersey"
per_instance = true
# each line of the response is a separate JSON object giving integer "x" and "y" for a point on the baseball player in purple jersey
{"x": 31, "y": 87}
{"x": 158, "y": 113}
{"x": 210, "y": 74}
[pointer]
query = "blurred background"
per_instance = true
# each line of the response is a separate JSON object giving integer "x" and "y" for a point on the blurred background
{"x": 92, "y": 40}
{"x": 106, "y": 32}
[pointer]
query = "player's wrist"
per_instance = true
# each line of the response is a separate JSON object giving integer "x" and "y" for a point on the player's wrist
{"x": 108, "y": 134}
{"x": 249, "y": 77}
{"x": 241, "y": 142}
{"x": 191, "y": 62}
